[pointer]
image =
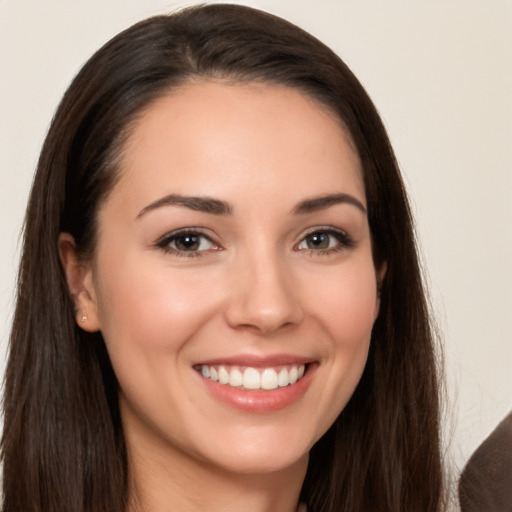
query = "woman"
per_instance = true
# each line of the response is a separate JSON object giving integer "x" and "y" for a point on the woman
{"x": 219, "y": 284}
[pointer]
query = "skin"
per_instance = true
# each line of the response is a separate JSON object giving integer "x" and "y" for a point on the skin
{"x": 257, "y": 286}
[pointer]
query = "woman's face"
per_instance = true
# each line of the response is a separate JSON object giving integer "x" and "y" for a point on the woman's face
{"x": 233, "y": 279}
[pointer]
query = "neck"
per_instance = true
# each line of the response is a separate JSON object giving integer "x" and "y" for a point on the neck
{"x": 160, "y": 482}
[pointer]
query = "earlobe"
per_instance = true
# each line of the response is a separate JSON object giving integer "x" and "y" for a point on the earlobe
{"x": 79, "y": 278}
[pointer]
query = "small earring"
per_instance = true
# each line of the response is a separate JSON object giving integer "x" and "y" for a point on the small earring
{"x": 83, "y": 318}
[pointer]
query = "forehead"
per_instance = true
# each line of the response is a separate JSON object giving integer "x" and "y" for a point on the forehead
{"x": 215, "y": 138}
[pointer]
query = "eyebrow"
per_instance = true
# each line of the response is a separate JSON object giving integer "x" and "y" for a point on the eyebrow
{"x": 201, "y": 204}
{"x": 321, "y": 203}
{"x": 218, "y": 207}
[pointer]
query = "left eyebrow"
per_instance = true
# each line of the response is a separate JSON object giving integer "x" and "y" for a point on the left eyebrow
{"x": 323, "y": 202}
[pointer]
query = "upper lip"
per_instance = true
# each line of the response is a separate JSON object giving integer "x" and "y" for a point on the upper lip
{"x": 257, "y": 361}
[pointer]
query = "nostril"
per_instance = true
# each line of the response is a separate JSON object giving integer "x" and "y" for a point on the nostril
{"x": 262, "y": 323}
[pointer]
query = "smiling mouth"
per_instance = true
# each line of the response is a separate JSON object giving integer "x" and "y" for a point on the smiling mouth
{"x": 250, "y": 378}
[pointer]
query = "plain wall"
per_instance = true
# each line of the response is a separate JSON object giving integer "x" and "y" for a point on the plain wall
{"x": 440, "y": 73}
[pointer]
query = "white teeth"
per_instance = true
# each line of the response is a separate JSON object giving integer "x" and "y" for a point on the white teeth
{"x": 252, "y": 378}
{"x": 269, "y": 379}
{"x": 223, "y": 375}
{"x": 235, "y": 378}
{"x": 283, "y": 378}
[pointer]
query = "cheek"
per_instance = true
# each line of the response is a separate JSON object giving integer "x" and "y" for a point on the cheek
{"x": 348, "y": 303}
{"x": 343, "y": 308}
{"x": 147, "y": 307}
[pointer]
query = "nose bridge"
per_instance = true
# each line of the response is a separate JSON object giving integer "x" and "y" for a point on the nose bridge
{"x": 264, "y": 295}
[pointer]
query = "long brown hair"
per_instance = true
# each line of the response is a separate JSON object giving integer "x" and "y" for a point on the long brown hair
{"x": 63, "y": 447}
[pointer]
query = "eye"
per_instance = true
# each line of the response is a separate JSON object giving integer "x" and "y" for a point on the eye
{"x": 186, "y": 243}
{"x": 325, "y": 241}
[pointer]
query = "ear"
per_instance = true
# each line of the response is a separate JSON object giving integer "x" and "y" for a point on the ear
{"x": 79, "y": 277}
{"x": 380, "y": 274}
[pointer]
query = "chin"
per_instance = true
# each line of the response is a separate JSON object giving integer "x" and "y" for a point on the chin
{"x": 262, "y": 463}
{"x": 260, "y": 452}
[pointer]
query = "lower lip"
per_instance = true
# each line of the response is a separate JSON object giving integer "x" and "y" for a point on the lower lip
{"x": 260, "y": 400}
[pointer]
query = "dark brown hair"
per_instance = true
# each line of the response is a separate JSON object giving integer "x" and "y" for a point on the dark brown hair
{"x": 63, "y": 447}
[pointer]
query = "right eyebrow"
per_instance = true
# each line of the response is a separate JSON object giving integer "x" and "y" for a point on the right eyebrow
{"x": 201, "y": 204}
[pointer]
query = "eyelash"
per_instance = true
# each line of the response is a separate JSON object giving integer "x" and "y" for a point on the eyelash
{"x": 344, "y": 241}
{"x": 165, "y": 243}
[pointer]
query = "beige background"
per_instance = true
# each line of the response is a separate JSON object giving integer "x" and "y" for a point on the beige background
{"x": 440, "y": 73}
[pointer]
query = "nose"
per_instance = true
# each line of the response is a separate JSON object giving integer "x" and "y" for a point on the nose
{"x": 264, "y": 296}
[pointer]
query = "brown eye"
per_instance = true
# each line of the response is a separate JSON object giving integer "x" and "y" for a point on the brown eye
{"x": 318, "y": 240}
{"x": 325, "y": 240}
{"x": 189, "y": 242}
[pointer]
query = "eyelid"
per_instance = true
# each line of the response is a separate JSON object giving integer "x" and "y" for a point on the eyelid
{"x": 344, "y": 239}
{"x": 164, "y": 241}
